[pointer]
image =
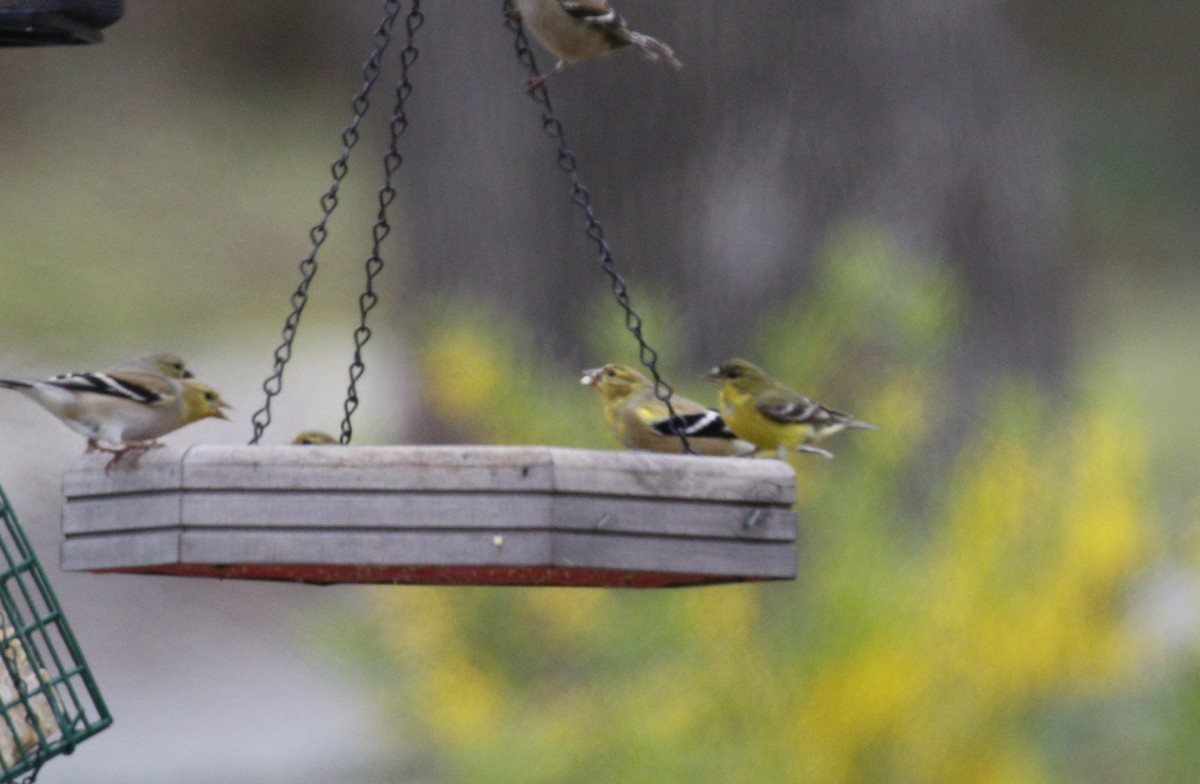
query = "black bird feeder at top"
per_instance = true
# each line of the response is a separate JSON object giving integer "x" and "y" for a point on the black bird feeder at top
{"x": 56, "y": 22}
{"x": 462, "y": 515}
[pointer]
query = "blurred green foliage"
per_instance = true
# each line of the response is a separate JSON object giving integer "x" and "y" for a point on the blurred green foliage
{"x": 920, "y": 643}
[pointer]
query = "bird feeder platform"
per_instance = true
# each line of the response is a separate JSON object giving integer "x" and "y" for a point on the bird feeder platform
{"x": 454, "y": 515}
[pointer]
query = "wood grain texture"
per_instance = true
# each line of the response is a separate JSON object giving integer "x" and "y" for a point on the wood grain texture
{"x": 390, "y": 514}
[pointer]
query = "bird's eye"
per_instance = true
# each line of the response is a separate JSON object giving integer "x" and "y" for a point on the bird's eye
{"x": 611, "y": 373}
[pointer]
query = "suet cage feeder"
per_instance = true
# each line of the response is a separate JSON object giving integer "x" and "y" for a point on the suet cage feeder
{"x": 468, "y": 515}
{"x": 49, "y": 701}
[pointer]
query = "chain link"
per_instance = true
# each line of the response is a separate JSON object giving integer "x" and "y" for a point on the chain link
{"x": 581, "y": 197}
{"x": 273, "y": 384}
{"x": 387, "y": 194}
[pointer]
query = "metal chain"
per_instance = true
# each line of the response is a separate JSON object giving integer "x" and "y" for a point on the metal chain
{"x": 273, "y": 384}
{"x": 387, "y": 194}
{"x": 581, "y": 197}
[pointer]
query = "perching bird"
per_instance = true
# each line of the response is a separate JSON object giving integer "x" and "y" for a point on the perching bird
{"x": 122, "y": 411}
{"x": 770, "y": 415}
{"x": 162, "y": 363}
{"x": 581, "y": 29}
{"x": 313, "y": 438}
{"x": 639, "y": 419}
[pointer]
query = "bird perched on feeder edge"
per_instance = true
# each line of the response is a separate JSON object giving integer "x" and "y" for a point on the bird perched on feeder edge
{"x": 771, "y": 415}
{"x": 313, "y": 438}
{"x": 639, "y": 419}
{"x": 122, "y": 411}
{"x": 582, "y": 29}
{"x": 162, "y": 363}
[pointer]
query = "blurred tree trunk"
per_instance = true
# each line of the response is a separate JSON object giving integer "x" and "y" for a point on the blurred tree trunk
{"x": 720, "y": 182}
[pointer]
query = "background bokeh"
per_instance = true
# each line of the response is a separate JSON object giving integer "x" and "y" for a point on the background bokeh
{"x": 974, "y": 224}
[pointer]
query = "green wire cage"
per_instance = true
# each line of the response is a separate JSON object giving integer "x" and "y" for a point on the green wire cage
{"x": 49, "y": 701}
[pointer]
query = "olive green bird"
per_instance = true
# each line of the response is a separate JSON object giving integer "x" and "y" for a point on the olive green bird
{"x": 771, "y": 415}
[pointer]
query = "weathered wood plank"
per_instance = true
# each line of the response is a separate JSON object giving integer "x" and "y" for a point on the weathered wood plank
{"x": 483, "y": 468}
{"x": 154, "y": 470}
{"x": 433, "y": 548}
{"x": 112, "y": 551}
{"x": 655, "y": 554}
{"x": 674, "y": 476}
{"x": 407, "y": 511}
{"x": 95, "y": 514}
{"x": 368, "y": 468}
{"x": 305, "y": 509}
{"x": 513, "y": 515}
{"x": 518, "y": 548}
{"x": 521, "y": 548}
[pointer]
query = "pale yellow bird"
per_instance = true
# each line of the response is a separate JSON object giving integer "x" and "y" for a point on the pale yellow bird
{"x": 122, "y": 411}
{"x": 163, "y": 363}
{"x": 582, "y": 29}
{"x": 313, "y": 438}
{"x": 639, "y": 419}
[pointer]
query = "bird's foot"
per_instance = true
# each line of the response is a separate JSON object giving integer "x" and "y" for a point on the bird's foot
{"x": 535, "y": 82}
{"x": 134, "y": 448}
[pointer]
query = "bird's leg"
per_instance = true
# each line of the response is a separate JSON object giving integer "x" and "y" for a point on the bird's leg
{"x": 137, "y": 448}
{"x": 92, "y": 446}
{"x": 536, "y": 82}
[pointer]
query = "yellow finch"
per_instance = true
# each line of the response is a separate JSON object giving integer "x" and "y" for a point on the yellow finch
{"x": 313, "y": 438}
{"x": 122, "y": 410}
{"x": 162, "y": 363}
{"x": 639, "y": 419}
{"x": 581, "y": 29}
{"x": 772, "y": 416}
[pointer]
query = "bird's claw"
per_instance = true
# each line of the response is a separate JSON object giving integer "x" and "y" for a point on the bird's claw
{"x": 535, "y": 83}
{"x": 135, "y": 449}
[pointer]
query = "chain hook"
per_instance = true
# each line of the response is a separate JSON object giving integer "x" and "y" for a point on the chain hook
{"x": 273, "y": 384}
{"x": 582, "y": 198}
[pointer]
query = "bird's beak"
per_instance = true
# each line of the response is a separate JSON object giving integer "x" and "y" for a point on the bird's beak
{"x": 714, "y": 376}
{"x": 217, "y": 413}
{"x": 187, "y": 374}
{"x": 591, "y": 377}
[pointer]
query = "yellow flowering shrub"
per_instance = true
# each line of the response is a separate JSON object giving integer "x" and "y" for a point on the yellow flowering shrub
{"x": 947, "y": 591}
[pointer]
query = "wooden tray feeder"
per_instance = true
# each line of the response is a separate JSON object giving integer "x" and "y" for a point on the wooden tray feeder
{"x": 432, "y": 514}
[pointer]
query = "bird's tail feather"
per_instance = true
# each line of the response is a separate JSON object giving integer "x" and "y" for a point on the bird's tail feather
{"x": 652, "y": 48}
{"x": 14, "y": 384}
{"x": 858, "y": 424}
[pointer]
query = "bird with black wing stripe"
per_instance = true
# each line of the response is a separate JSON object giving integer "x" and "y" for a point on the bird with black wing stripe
{"x": 640, "y": 420}
{"x": 582, "y": 29}
{"x": 771, "y": 415}
{"x": 119, "y": 411}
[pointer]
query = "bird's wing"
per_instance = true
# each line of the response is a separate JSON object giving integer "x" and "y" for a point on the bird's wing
{"x": 705, "y": 424}
{"x": 595, "y": 11}
{"x": 136, "y": 387}
{"x": 797, "y": 410}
